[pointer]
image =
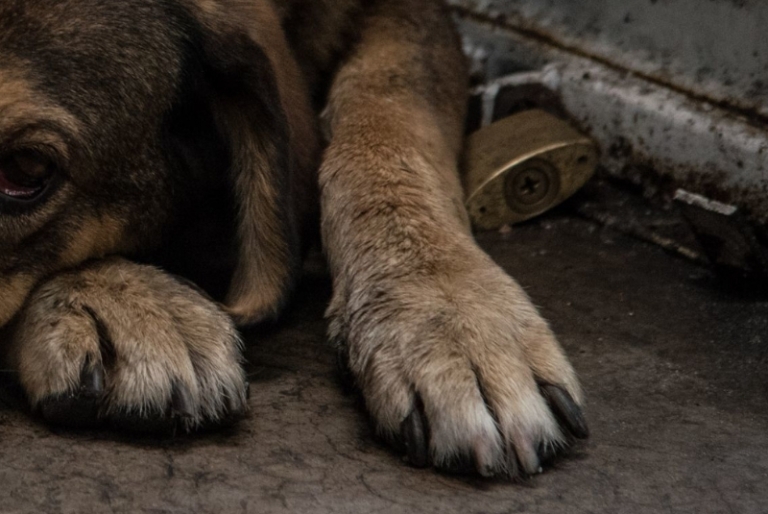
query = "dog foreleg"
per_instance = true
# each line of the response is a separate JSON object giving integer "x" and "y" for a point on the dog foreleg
{"x": 451, "y": 356}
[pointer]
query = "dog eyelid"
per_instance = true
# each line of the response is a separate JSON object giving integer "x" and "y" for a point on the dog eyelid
{"x": 36, "y": 165}
{"x": 26, "y": 179}
{"x": 43, "y": 140}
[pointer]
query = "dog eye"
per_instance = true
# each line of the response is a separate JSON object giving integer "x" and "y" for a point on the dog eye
{"x": 25, "y": 174}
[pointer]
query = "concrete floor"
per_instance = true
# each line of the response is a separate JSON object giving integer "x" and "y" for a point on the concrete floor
{"x": 675, "y": 368}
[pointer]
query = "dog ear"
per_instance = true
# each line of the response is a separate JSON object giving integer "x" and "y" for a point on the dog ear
{"x": 268, "y": 150}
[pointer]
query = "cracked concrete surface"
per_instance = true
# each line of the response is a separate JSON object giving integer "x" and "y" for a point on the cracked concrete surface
{"x": 673, "y": 364}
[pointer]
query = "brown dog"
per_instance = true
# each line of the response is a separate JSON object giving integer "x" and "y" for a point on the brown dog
{"x": 185, "y": 134}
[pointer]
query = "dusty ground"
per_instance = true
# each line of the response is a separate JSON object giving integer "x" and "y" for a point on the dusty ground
{"x": 675, "y": 368}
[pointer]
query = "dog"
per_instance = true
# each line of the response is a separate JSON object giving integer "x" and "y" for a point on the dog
{"x": 163, "y": 168}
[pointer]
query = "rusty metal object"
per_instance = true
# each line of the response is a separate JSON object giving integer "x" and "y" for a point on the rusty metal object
{"x": 729, "y": 240}
{"x": 523, "y": 165}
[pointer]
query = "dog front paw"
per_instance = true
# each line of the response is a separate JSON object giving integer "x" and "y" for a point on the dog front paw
{"x": 126, "y": 344}
{"x": 459, "y": 368}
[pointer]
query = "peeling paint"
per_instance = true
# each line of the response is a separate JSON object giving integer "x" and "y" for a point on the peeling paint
{"x": 711, "y": 49}
{"x": 651, "y": 134}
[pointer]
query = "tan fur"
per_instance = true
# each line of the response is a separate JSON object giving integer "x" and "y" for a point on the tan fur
{"x": 425, "y": 318}
{"x": 264, "y": 263}
{"x": 15, "y": 290}
{"x": 21, "y": 104}
{"x": 160, "y": 332}
{"x": 96, "y": 238}
{"x": 420, "y": 308}
{"x": 264, "y": 257}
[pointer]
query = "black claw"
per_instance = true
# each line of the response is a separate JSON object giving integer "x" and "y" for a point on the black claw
{"x": 546, "y": 453}
{"x": 485, "y": 470}
{"x": 92, "y": 380}
{"x": 513, "y": 466}
{"x": 461, "y": 465}
{"x": 79, "y": 408}
{"x": 414, "y": 434}
{"x": 181, "y": 401}
{"x": 566, "y": 410}
{"x": 236, "y": 407}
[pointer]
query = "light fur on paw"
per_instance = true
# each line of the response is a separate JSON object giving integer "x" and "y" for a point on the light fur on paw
{"x": 128, "y": 344}
{"x": 458, "y": 365}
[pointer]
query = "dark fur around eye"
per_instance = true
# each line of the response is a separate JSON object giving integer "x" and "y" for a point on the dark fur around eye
{"x": 27, "y": 178}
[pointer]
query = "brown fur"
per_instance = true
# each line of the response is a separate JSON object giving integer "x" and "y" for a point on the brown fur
{"x": 160, "y": 335}
{"x": 193, "y": 125}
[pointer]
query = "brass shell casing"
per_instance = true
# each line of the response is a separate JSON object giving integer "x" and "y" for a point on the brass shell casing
{"x": 523, "y": 165}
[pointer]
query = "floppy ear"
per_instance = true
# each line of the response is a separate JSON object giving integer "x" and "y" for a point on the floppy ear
{"x": 249, "y": 110}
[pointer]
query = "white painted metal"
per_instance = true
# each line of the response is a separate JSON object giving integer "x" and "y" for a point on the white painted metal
{"x": 714, "y": 48}
{"x": 637, "y": 121}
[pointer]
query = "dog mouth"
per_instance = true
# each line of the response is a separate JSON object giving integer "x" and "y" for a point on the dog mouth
{"x": 25, "y": 175}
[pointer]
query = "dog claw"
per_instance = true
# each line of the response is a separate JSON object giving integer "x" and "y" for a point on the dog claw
{"x": 546, "y": 453}
{"x": 566, "y": 410}
{"x": 236, "y": 408}
{"x": 485, "y": 470}
{"x": 92, "y": 380}
{"x": 483, "y": 459}
{"x": 461, "y": 465}
{"x": 513, "y": 466}
{"x": 529, "y": 461}
{"x": 177, "y": 417}
{"x": 413, "y": 430}
{"x": 181, "y": 401}
{"x": 78, "y": 408}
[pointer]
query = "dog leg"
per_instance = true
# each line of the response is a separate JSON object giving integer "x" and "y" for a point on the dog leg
{"x": 451, "y": 356}
{"x": 127, "y": 344}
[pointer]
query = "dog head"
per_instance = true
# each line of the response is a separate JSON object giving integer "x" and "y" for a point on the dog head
{"x": 112, "y": 116}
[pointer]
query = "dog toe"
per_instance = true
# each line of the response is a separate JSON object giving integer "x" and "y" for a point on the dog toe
{"x": 78, "y": 408}
{"x": 471, "y": 373}
{"x": 568, "y": 413}
{"x": 414, "y": 433}
{"x": 127, "y": 345}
